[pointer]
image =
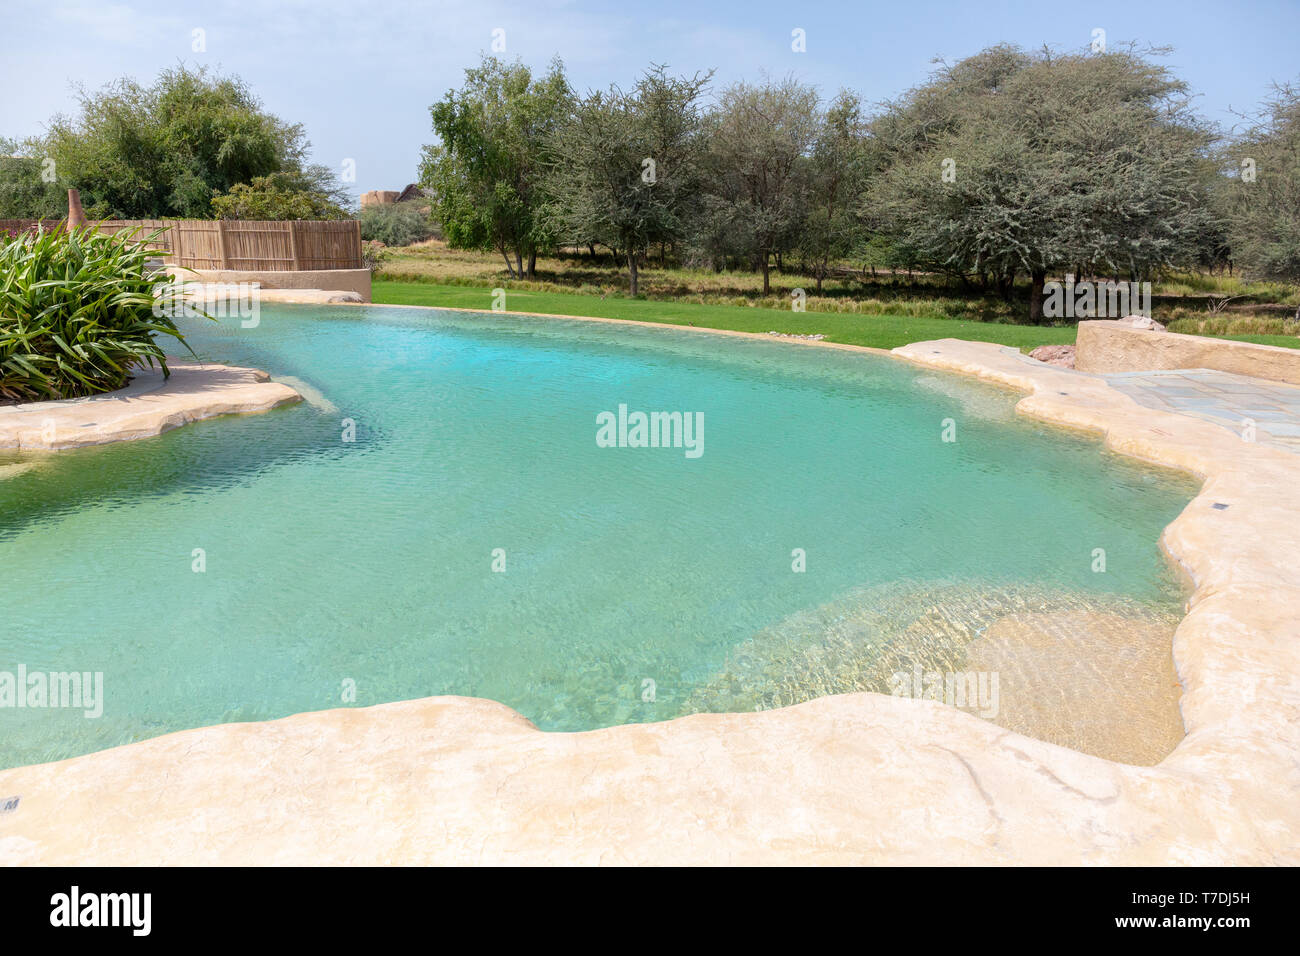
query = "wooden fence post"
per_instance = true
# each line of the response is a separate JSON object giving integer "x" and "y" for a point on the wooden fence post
{"x": 293, "y": 244}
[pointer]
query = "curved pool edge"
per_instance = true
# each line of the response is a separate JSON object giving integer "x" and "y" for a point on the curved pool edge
{"x": 859, "y": 778}
{"x": 1237, "y": 547}
{"x": 150, "y": 405}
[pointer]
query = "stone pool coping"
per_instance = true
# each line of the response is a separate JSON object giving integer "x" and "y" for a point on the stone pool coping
{"x": 858, "y": 778}
{"x": 148, "y": 406}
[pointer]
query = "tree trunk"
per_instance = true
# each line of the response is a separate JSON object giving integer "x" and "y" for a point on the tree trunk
{"x": 1007, "y": 286}
{"x": 631, "y": 271}
{"x": 519, "y": 261}
{"x": 767, "y": 286}
{"x": 532, "y": 263}
{"x": 509, "y": 268}
{"x": 1037, "y": 278}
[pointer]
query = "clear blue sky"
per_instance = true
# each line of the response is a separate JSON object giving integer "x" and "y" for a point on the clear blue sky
{"x": 361, "y": 76}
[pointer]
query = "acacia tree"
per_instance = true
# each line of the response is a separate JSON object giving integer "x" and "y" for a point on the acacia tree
{"x": 760, "y": 139}
{"x": 486, "y": 173}
{"x": 836, "y": 177}
{"x": 1011, "y": 163}
{"x": 625, "y": 169}
{"x": 1261, "y": 198}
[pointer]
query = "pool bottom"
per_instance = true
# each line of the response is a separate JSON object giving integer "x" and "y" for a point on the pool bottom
{"x": 1090, "y": 672}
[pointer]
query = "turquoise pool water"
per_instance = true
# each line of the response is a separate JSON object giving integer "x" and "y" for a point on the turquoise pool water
{"x": 366, "y": 567}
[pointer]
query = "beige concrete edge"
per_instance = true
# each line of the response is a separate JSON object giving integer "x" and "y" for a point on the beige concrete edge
{"x": 859, "y": 778}
{"x": 148, "y": 406}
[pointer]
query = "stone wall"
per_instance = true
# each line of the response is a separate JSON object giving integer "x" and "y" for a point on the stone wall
{"x": 331, "y": 280}
{"x": 1115, "y": 347}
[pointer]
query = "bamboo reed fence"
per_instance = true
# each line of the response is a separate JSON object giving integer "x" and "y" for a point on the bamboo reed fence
{"x": 245, "y": 245}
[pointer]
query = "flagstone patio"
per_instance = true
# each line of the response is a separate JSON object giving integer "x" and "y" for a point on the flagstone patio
{"x": 1232, "y": 401}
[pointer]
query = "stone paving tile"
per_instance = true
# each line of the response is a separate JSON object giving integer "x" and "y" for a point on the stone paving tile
{"x": 1222, "y": 398}
{"x": 1267, "y": 414}
{"x": 1230, "y": 414}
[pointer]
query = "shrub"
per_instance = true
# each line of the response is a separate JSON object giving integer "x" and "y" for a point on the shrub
{"x": 398, "y": 224}
{"x": 373, "y": 254}
{"x": 77, "y": 314}
{"x": 277, "y": 197}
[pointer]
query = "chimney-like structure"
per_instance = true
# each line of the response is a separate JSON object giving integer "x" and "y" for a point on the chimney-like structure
{"x": 76, "y": 217}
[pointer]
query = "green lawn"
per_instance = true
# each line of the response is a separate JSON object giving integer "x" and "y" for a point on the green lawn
{"x": 885, "y": 332}
{"x": 879, "y": 331}
{"x": 1283, "y": 341}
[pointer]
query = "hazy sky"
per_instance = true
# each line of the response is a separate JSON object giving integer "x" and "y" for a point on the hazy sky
{"x": 361, "y": 76}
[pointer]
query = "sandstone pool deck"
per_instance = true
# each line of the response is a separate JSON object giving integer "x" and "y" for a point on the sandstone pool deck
{"x": 859, "y": 778}
{"x": 149, "y": 405}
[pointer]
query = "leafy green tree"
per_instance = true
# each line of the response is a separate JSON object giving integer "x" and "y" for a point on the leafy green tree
{"x": 486, "y": 172}
{"x": 626, "y": 168}
{"x": 25, "y": 192}
{"x": 760, "y": 140}
{"x": 164, "y": 150}
{"x": 1261, "y": 198}
{"x": 1030, "y": 164}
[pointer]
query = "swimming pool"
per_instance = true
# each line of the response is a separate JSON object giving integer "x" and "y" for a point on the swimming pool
{"x": 443, "y": 517}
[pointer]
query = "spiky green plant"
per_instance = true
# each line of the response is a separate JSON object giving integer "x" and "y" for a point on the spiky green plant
{"x": 77, "y": 313}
